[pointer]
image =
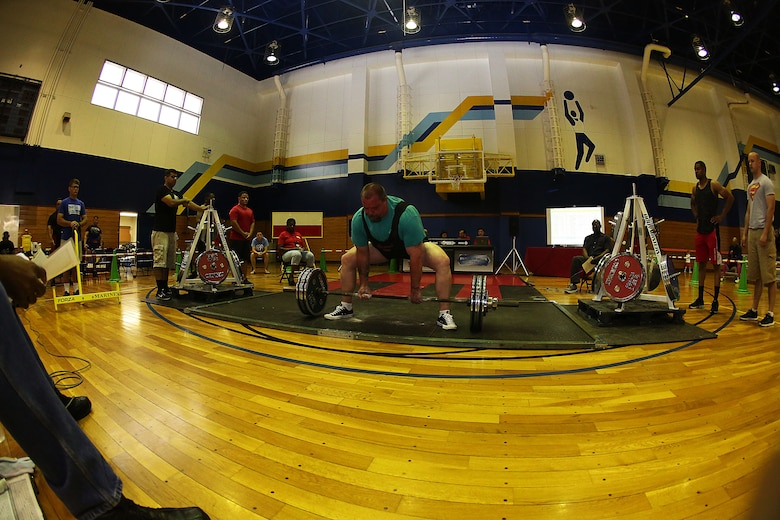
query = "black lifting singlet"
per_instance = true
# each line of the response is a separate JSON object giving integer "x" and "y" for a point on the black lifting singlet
{"x": 393, "y": 247}
{"x": 706, "y": 208}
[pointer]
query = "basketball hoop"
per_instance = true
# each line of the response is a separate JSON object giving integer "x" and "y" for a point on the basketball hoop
{"x": 455, "y": 182}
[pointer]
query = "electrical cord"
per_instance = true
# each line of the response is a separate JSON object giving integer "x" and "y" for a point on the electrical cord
{"x": 63, "y": 379}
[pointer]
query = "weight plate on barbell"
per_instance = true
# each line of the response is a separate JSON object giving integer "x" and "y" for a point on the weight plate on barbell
{"x": 311, "y": 291}
{"x": 478, "y": 302}
{"x": 654, "y": 274}
{"x": 624, "y": 277}
{"x": 213, "y": 266}
{"x": 598, "y": 274}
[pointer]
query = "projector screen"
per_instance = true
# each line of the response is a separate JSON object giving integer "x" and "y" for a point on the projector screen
{"x": 570, "y": 226}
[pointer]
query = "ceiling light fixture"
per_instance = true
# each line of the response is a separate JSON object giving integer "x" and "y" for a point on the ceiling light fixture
{"x": 411, "y": 20}
{"x": 272, "y": 51}
{"x": 574, "y": 18}
{"x": 700, "y": 48}
{"x": 736, "y": 18}
{"x": 224, "y": 20}
{"x": 735, "y": 15}
{"x": 775, "y": 85}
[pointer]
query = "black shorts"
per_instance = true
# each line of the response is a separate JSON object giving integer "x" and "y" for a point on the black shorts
{"x": 242, "y": 248}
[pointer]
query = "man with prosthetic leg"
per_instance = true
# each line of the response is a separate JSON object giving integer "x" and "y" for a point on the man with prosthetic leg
{"x": 386, "y": 227}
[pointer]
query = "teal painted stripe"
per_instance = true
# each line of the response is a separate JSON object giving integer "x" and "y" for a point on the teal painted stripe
{"x": 526, "y": 113}
{"x": 674, "y": 201}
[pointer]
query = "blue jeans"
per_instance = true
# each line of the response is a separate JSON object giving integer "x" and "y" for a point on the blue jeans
{"x": 33, "y": 414}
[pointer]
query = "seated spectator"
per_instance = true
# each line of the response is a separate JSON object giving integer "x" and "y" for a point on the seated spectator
{"x": 735, "y": 254}
{"x": 481, "y": 233}
{"x": 462, "y": 235}
{"x": 259, "y": 249}
{"x": 293, "y": 246}
{"x": 594, "y": 247}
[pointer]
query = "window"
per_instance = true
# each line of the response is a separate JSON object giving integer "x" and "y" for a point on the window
{"x": 137, "y": 94}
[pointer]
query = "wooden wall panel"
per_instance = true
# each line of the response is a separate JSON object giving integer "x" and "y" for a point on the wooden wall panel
{"x": 35, "y": 218}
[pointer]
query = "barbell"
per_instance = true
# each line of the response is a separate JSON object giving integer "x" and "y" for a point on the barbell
{"x": 311, "y": 293}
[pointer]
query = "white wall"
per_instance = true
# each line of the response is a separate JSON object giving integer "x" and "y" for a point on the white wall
{"x": 350, "y": 104}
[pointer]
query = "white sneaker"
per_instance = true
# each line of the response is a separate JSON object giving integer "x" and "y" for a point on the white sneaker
{"x": 446, "y": 321}
{"x": 571, "y": 289}
{"x": 339, "y": 313}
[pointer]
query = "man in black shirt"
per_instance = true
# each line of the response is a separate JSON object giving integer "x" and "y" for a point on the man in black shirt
{"x": 94, "y": 235}
{"x": 166, "y": 201}
{"x": 704, "y": 204}
{"x": 6, "y": 246}
{"x": 55, "y": 230}
{"x": 594, "y": 247}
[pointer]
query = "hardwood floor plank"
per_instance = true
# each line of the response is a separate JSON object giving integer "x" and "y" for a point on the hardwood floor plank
{"x": 261, "y": 423}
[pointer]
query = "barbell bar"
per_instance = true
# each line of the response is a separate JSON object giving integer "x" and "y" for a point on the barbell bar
{"x": 311, "y": 292}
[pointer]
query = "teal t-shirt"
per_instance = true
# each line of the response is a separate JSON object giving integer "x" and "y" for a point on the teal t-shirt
{"x": 410, "y": 228}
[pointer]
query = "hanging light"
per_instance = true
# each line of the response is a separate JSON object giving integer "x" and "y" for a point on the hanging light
{"x": 224, "y": 20}
{"x": 775, "y": 85}
{"x": 700, "y": 48}
{"x": 272, "y": 55}
{"x": 736, "y": 18}
{"x": 411, "y": 20}
{"x": 574, "y": 18}
{"x": 735, "y": 15}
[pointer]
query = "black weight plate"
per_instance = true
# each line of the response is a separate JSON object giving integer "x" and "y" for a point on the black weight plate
{"x": 654, "y": 279}
{"x": 673, "y": 281}
{"x": 300, "y": 292}
{"x": 311, "y": 291}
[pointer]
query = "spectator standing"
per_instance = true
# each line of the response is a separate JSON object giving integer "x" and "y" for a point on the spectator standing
{"x": 166, "y": 202}
{"x": 6, "y": 246}
{"x": 704, "y": 205}
{"x": 71, "y": 215}
{"x": 54, "y": 229}
{"x": 94, "y": 235}
{"x": 242, "y": 222}
{"x": 758, "y": 237}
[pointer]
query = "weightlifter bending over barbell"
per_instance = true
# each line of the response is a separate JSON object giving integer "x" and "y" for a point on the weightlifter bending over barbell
{"x": 386, "y": 227}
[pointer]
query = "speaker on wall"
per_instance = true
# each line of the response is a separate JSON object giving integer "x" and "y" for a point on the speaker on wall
{"x": 514, "y": 226}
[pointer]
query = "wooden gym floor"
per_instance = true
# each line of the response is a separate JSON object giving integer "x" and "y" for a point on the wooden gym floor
{"x": 260, "y": 423}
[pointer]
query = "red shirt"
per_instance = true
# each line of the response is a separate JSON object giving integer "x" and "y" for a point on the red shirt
{"x": 245, "y": 218}
{"x": 288, "y": 240}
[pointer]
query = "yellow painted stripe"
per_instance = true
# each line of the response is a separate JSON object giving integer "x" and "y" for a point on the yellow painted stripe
{"x": 753, "y": 141}
{"x": 680, "y": 186}
{"x": 380, "y": 150}
{"x": 211, "y": 171}
{"x": 333, "y": 155}
{"x": 533, "y": 101}
{"x": 467, "y": 104}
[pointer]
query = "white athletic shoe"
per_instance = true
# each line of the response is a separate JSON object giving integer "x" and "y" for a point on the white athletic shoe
{"x": 339, "y": 313}
{"x": 446, "y": 321}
